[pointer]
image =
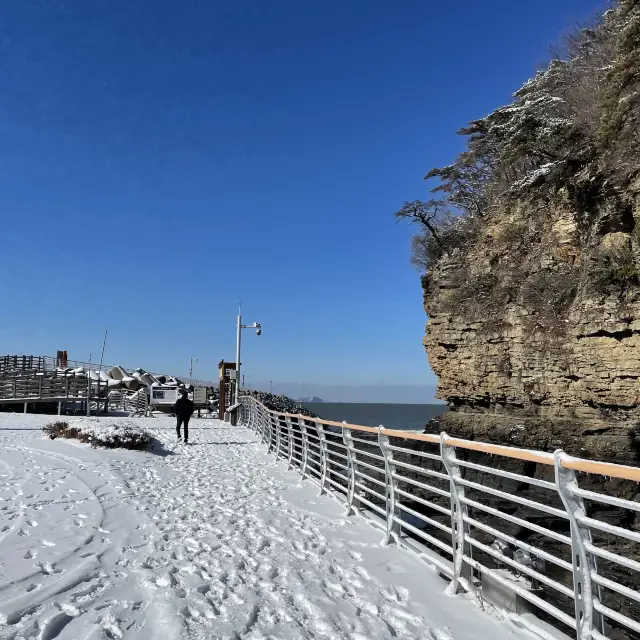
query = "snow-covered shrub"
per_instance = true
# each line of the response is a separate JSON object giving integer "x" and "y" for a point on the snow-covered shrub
{"x": 102, "y": 433}
{"x": 60, "y": 429}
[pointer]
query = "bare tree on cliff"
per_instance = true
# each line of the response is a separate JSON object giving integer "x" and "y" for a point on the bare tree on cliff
{"x": 440, "y": 234}
{"x": 574, "y": 130}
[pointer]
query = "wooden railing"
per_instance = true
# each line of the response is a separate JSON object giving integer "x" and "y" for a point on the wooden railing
{"x": 43, "y": 387}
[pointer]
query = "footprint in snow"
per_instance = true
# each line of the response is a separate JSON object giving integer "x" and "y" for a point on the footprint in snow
{"x": 111, "y": 625}
{"x": 443, "y": 633}
{"x": 163, "y": 581}
{"x": 363, "y": 573}
{"x": 392, "y": 567}
{"x": 393, "y": 594}
{"x": 68, "y": 608}
{"x": 47, "y": 568}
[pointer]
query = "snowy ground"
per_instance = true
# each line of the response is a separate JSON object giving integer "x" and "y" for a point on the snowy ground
{"x": 214, "y": 540}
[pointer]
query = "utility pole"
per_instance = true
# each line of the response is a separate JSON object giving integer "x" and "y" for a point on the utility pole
{"x": 104, "y": 342}
{"x": 89, "y": 388}
{"x": 238, "y": 339}
{"x": 191, "y": 366}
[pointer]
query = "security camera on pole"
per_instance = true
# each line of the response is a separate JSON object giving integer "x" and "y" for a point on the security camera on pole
{"x": 258, "y": 328}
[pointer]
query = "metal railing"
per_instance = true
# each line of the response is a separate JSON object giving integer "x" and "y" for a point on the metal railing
{"x": 136, "y": 403}
{"x": 522, "y": 529}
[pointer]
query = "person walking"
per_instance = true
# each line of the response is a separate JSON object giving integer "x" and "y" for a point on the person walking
{"x": 184, "y": 410}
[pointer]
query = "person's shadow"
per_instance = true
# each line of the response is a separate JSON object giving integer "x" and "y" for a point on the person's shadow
{"x": 158, "y": 449}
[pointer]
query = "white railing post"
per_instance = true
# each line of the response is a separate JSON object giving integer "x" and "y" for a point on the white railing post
{"x": 247, "y": 414}
{"x": 251, "y": 411}
{"x": 272, "y": 433}
{"x": 276, "y": 426}
{"x": 270, "y": 424}
{"x": 458, "y": 510}
{"x": 259, "y": 421}
{"x": 587, "y": 618}
{"x": 290, "y": 434}
{"x": 393, "y": 528}
{"x": 268, "y": 431}
{"x": 255, "y": 411}
{"x": 347, "y": 438}
{"x": 305, "y": 449}
{"x": 323, "y": 456}
{"x": 262, "y": 423}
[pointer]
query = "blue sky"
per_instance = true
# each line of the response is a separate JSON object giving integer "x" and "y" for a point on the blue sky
{"x": 161, "y": 160}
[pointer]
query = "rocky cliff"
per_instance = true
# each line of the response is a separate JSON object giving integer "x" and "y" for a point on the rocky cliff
{"x": 531, "y": 256}
{"x": 571, "y": 380}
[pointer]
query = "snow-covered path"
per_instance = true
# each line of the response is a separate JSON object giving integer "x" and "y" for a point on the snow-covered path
{"x": 214, "y": 540}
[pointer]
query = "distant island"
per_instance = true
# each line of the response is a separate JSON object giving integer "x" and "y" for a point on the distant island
{"x": 312, "y": 399}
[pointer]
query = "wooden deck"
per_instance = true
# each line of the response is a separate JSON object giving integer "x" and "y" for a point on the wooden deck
{"x": 33, "y": 388}
{"x": 37, "y": 382}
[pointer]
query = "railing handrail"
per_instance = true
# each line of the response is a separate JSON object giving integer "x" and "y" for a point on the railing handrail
{"x": 621, "y": 471}
{"x": 478, "y": 526}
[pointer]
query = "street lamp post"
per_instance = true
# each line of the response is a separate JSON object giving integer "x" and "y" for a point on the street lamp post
{"x": 191, "y": 366}
{"x": 240, "y": 327}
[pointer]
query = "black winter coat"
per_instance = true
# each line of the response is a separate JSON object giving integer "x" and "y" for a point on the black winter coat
{"x": 183, "y": 407}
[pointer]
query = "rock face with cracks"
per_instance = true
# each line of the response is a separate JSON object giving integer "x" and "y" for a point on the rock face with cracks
{"x": 573, "y": 380}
